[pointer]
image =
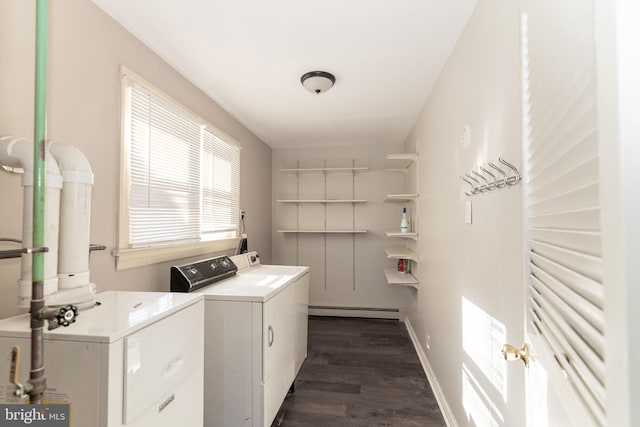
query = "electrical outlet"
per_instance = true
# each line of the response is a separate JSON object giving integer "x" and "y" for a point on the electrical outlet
{"x": 427, "y": 342}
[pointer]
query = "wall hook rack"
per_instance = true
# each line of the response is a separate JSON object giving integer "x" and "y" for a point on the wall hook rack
{"x": 483, "y": 180}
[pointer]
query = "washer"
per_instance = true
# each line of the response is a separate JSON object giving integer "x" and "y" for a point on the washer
{"x": 136, "y": 360}
{"x": 256, "y": 324}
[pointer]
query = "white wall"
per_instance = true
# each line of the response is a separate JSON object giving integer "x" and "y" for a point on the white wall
{"x": 86, "y": 50}
{"x": 471, "y": 276}
{"x": 371, "y": 289}
{"x": 628, "y": 66}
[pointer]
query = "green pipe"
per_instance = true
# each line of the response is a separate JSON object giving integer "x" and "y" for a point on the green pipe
{"x": 37, "y": 377}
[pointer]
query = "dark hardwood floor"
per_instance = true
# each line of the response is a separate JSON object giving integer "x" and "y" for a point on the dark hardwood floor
{"x": 360, "y": 372}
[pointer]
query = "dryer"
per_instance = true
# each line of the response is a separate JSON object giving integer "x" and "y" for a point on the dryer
{"x": 256, "y": 324}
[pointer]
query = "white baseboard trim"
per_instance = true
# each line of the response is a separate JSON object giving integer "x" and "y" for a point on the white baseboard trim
{"x": 373, "y": 313}
{"x": 435, "y": 386}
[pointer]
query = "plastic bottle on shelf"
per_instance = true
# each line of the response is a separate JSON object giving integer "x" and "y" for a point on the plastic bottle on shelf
{"x": 404, "y": 224}
{"x": 404, "y": 266}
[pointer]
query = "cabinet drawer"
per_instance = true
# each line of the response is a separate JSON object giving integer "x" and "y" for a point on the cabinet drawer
{"x": 159, "y": 357}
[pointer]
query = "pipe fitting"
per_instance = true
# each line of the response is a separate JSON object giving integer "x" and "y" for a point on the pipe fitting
{"x": 73, "y": 164}
{"x": 18, "y": 153}
{"x": 75, "y": 215}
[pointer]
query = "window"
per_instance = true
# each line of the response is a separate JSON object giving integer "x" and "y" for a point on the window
{"x": 180, "y": 180}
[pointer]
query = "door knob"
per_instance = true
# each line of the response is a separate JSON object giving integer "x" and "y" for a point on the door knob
{"x": 512, "y": 353}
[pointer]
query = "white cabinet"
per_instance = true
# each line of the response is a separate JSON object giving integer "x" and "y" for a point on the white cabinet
{"x": 284, "y": 344}
{"x": 253, "y": 352}
{"x": 405, "y": 163}
{"x": 161, "y": 354}
{"x": 136, "y": 360}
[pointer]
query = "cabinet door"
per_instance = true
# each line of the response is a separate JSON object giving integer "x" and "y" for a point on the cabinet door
{"x": 278, "y": 330}
{"x": 285, "y": 319}
{"x": 285, "y": 329}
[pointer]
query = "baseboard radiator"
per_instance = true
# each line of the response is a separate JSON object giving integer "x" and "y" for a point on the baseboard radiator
{"x": 369, "y": 312}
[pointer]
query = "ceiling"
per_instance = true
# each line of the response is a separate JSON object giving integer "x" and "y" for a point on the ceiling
{"x": 249, "y": 55}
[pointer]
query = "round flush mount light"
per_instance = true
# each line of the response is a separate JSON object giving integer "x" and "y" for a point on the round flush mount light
{"x": 317, "y": 81}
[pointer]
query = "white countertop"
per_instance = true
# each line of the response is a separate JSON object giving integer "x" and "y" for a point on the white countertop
{"x": 118, "y": 315}
{"x": 258, "y": 283}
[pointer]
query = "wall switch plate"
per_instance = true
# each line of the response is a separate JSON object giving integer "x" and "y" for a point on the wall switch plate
{"x": 468, "y": 218}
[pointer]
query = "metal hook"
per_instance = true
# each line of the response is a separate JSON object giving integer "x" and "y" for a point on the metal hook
{"x": 494, "y": 184}
{"x": 483, "y": 187}
{"x": 501, "y": 182}
{"x": 471, "y": 184}
{"x": 512, "y": 180}
{"x": 479, "y": 175}
{"x": 476, "y": 188}
{"x": 470, "y": 177}
{"x": 467, "y": 181}
{"x": 473, "y": 187}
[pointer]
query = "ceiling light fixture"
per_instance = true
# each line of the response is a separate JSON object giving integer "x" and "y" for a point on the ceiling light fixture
{"x": 317, "y": 81}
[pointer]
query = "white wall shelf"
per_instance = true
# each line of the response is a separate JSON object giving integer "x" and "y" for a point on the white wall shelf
{"x": 322, "y": 201}
{"x": 316, "y": 170}
{"x": 395, "y": 278}
{"x": 400, "y": 162}
{"x": 406, "y": 163}
{"x": 401, "y": 253}
{"x": 401, "y": 197}
{"x": 332, "y": 217}
{"x": 323, "y": 231}
{"x": 408, "y": 235}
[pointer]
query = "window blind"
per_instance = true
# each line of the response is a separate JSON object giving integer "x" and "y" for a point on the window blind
{"x": 566, "y": 290}
{"x": 220, "y": 185}
{"x": 184, "y": 177}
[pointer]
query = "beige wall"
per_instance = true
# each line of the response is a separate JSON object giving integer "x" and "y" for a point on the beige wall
{"x": 86, "y": 50}
{"x": 338, "y": 278}
{"x": 471, "y": 276}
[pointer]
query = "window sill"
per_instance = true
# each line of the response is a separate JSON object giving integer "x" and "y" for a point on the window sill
{"x": 138, "y": 257}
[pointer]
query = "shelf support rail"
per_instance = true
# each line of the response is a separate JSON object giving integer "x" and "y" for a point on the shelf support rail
{"x": 297, "y": 214}
{"x": 324, "y": 236}
{"x": 353, "y": 220}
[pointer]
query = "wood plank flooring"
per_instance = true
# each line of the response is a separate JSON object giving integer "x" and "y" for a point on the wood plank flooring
{"x": 360, "y": 373}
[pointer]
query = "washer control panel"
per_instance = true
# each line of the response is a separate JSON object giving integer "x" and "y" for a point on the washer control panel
{"x": 195, "y": 275}
{"x": 254, "y": 258}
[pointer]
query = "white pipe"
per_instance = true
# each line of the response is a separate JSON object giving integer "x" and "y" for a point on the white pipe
{"x": 18, "y": 153}
{"x": 75, "y": 215}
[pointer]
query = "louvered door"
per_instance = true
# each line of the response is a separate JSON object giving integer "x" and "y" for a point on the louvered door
{"x": 565, "y": 319}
